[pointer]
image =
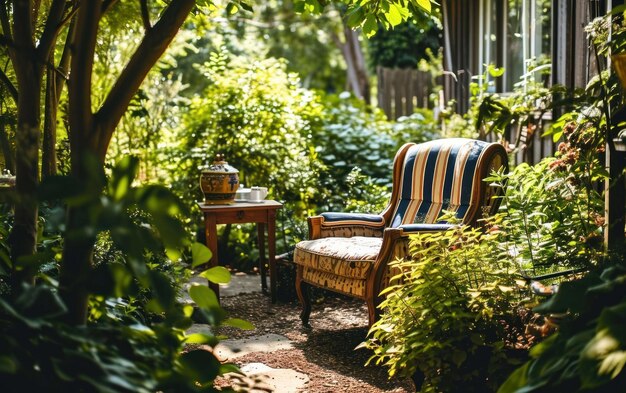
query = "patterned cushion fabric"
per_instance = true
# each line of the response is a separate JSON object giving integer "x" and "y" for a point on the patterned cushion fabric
{"x": 438, "y": 175}
{"x": 350, "y": 257}
{"x": 345, "y": 285}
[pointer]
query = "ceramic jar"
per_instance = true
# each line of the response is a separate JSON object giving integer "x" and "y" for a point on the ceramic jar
{"x": 219, "y": 182}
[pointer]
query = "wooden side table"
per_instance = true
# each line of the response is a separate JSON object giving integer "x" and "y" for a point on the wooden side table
{"x": 263, "y": 213}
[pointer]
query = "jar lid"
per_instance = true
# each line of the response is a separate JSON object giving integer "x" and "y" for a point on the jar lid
{"x": 219, "y": 166}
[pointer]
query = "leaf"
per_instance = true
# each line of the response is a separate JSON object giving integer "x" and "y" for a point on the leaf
{"x": 393, "y": 16}
{"x": 496, "y": 72}
{"x": 217, "y": 275}
{"x": 201, "y": 366}
{"x": 122, "y": 177}
{"x": 229, "y": 368}
{"x": 458, "y": 357}
{"x": 162, "y": 289}
{"x": 201, "y": 338}
{"x": 355, "y": 16}
{"x": 200, "y": 254}
{"x": 239, "y": 323}
{"x": 203, "y": 296}
{"x": 516, "y": 380}
{"x": 425, "y": 4}
{"x": 246, "y": 6}
{"x": 370, "y": 26}
{"x": 7, "y": 365}
{"x": 231, "y": 9}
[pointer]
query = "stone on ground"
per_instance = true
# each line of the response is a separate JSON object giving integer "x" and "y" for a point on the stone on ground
{"x": 229, "y": 349}
{"x": 260, "y": 377}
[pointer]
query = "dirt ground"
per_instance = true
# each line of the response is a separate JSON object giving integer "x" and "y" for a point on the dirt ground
{"x": 325, "y": 352}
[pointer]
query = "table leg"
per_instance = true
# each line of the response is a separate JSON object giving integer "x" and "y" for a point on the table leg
{"x": 260, "y": 227}
{"x": 210, "y": 232}
{"x": 271, "y": 245}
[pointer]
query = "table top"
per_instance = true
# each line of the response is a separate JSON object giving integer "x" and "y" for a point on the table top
{"x": 266, "y": 204}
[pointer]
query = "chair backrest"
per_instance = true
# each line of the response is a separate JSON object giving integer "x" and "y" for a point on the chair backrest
{"x": 444, "y": 174}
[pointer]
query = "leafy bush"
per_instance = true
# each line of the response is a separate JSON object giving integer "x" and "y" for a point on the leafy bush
{"x": 588, "y": 352}
{"x": 554, "y": 217}
{"x": 119, "y": 349}
{"x": 443, "y": 312}
{"x": 352, "y": 135}
{"x": 256, "y": 115}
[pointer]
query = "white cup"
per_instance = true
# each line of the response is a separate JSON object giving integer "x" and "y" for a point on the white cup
{"x": 258, "y": 194}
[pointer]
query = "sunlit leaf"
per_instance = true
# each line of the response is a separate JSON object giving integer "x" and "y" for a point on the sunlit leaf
{"x": 238, "y": 323}
{"x": 217, "y": 274}
{"x": 200, "y": 254}
{"x": 203, "y": 296}
{"x": 425, "y": 4}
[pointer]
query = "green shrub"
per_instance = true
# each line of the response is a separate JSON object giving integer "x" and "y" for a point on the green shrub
{"x": 588, "y": 352}
{"x": 553, "y": 218}
{"x": 352, "y": 135}
{"x": 256, "y": 115}
{"x": 134, "y": 340}
{"x": 443, "y": 314}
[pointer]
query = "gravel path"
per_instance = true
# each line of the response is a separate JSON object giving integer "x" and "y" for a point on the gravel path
{"x": 325, "y": 352}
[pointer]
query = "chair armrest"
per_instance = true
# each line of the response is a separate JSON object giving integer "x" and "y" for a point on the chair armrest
{"x": 346, "y": 225}
{"x": 353, "y": 218}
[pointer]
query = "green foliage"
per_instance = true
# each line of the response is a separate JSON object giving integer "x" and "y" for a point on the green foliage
{"x": 443, "y": 309}
{"x": 367, "y": 15}
{"x": 256, "y": 115}
{"x": 363, "y": 195}
{"x": 350, "y": 137}
{"x": 405, "y": 45}
{"x": 588, "y": 353}
{"x": 134, "y": 339}
{"x": 553, "y": 218}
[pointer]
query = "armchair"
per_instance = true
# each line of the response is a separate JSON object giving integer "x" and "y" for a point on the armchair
{"x": 349, "y": 253}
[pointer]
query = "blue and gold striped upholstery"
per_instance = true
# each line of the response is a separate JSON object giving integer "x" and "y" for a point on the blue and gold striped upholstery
{"x": 439, "y": 175}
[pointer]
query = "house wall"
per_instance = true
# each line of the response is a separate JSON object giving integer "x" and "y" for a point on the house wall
{"x": 573, "y": 64}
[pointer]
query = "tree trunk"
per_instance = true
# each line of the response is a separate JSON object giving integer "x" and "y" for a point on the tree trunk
{"x": 77, "y": 265}
{"x": 357, "y": 60}
{"x": 23, "y": 238}
{"x": 357, "y": 76}
{"x": 91, "y": 133}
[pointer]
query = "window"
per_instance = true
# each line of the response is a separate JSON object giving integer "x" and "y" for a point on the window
{"x": 514, "y": 34}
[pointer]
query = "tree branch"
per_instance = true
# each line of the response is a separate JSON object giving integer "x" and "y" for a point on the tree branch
{"x": 107, "y": 4}
{"x": 9, "y": 85}
{"x": 67, "y": 18}
{"x": 51, "y": 29}
{"x": 64, "y": 62}
{"x": 153, "y": 45}
{"x": 145, "y": 15}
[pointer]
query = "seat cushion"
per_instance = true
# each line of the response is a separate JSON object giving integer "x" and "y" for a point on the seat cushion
{"x": 350, "y": 257}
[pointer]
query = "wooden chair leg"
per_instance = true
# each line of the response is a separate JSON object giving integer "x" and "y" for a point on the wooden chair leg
{"x": 373, "y": 312}
{"x": 302, "y": 289}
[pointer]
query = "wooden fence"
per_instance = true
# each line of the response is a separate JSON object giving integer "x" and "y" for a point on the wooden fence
{"x": 401, "y": 90}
